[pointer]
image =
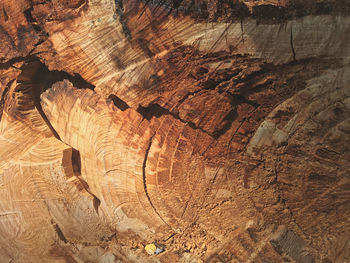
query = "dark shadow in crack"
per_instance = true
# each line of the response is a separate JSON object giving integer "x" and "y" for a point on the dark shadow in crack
{"x": 39, "y": 78}
{"x": 119, "y": 103}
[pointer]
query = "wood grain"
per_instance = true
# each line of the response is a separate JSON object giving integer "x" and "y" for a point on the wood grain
{"x": 217, "y": 129}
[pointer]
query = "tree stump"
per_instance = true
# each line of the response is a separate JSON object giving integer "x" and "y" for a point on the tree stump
{"x": 217, "y": 130}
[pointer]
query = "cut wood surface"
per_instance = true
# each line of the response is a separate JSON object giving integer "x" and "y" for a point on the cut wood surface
{"x": 217, "y": 130}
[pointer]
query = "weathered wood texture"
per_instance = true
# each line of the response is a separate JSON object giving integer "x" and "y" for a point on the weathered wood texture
{"x": 219, "y": 129}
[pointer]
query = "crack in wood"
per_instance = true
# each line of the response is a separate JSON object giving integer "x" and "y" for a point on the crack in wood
{"x": 144, "y": 177}
{"x": 291, "y": 44}
{"x": 60, "y": 233}
{"x": 4, "y": 96}
{"x": 42, "y": 34}
{"x": 6, "y": 17}
{"x": 118, "y": 102}
{"x": 119, "y": 10}
{"x": 155, "y": 110}
{"x": 36, "y": 83}
{"x": 76, "y": 164}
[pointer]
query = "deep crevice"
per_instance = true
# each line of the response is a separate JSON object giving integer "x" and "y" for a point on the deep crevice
{"x": 119, "y": 10}
{"x": 10, "y": 63}
{"x": 76, "y": 161}
{"x": 47, "y": 121}
{"x": 46, "y": 78}
{"x": 42, "y": 34}
{"x": 76, "y": 164}
{"x": 43, "y": 74}
{"x": 155, "y": 110}
{"x": 119, "y": 103}
{"x": 72, "y": 168}
{"x": 36, "y": 78}
{"x": 31, "y": 20}
{"x": 40, "y": 78}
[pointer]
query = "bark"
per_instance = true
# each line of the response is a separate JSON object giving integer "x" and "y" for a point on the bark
{"x": 216, "y": 129}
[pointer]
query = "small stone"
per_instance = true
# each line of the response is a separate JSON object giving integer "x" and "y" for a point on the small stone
{"x": 151, "y": 249}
